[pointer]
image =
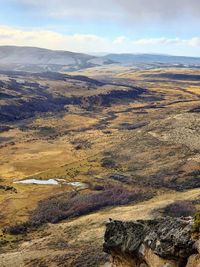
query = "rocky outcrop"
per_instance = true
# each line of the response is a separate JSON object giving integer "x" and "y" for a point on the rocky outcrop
{"x": 164, "y": 242}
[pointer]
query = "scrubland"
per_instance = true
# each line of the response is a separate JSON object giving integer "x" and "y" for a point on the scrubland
{"x": 133, "y": 137}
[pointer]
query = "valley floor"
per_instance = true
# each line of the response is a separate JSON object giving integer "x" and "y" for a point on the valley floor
{"x": 135, "y": 129}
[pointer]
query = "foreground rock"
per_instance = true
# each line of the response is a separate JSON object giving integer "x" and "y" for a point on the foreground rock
{"x": 164, "y": 242}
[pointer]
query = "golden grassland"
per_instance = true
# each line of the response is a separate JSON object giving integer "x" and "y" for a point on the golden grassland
{"x": 165, "y": 147}
{"x": 69, "y": 239}
{"x": 42, "y": 156}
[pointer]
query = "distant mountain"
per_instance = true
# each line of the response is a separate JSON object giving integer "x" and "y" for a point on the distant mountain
{"x": 39, "y": 59}
{"x": 152, "y": 58}
{"x": 33, "y": 59}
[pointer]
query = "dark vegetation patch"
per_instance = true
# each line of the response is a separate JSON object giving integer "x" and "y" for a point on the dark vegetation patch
{"x": 96, "y": 187}
{"x": 141, "y": 112}
{"x": 195, "y": 110}
{"x": 182, "y": 185}
{"x": 197, "y": 222}
{"x": 6, "y": 96}
{"x": 53, "y": 210}
{"x": 17, "y": 229}
{"x": 36, "y": 262}
{"x": 86, "y": 79}
{"x": 91, "y": 256}
{"x": 93, "y": 102}
{"x": 129, "y": 126}
{"x": 108, "y": 163}
{"x": 59, "y": 244}
{"x": 81, "y": 144}
{"x": 4, "y": 128}
{"x": 196, "y": 201}
{"x": 55, "y": 76}
{"x": 177, "y": 180}
{"x": 46, "y": 131}
{"x": 73, "y": 204}
{"x": 107, "y": 132}
{"x": 5, "y": 139}
{"x": 180, "y": 208}
{"x": 195, "y": 174}
{"x": 102, "y": 124}
{"x": 43, "y": 100}
{"x": 26, "y": 128}
{"x": 8, "y": 188}
{"x": 120, "y": 178}
{"x": 23, "y": 106}
{"x": 191, "y": 181}
{"x": 176, "y": 76}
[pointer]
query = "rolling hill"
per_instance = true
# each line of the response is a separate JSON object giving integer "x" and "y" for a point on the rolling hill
{"x": 152, "y": 58}
{"x": 35, "y": 59}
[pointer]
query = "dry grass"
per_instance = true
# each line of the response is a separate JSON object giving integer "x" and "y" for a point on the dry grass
{"x": 79, "y": 234}
{"x": 141, "y": 153}
{"x": 152, "y": 156}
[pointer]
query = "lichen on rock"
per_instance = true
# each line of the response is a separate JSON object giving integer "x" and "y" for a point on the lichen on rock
{"x": 165, "y": 242}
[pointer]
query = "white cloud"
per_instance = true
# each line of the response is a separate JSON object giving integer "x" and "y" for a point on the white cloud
{"x": 77, "y": 9}
{"x": 159, "y": 41}
{"x": 50, "y": 39}
{"x": 195, "y": 42}
{"x": 160, "y": 10}
{"x": 142, "y": 10}
{"x": 93, "y": 43}
{"x": 120, "y": 40}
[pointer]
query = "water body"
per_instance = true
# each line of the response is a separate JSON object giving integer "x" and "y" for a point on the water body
{"x": 51, "y": 182}
{"x": 78, "y": 184}
{"x": 37, "y": 181}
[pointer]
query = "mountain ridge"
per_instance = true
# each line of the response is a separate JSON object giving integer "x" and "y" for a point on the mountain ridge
{"x": 36, "y": 59}
{"x": 152, "y": 58}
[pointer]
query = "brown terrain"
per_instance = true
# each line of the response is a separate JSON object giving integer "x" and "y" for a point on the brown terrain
{"x": 121, "y": 144}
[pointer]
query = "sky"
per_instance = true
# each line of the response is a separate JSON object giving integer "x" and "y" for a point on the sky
{"x": 103, "y": 26}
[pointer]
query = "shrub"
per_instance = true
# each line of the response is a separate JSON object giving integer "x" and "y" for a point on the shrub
{"x": 195, "y": 173}
{"x": 108, "y": 163}
{"x": 180, "y": 208}
{"x": 197, "y": 222}
{"x": 17, "y": 229}
{"x": 74, "y": 204}
{"x": 97, "y": 187}
{"x": 58, "y": 208}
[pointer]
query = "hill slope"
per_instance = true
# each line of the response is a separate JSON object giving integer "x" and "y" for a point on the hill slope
{"x": 153, "y": 58}
{"x": 39, "y": 59}
{"x": 33, "y": 59}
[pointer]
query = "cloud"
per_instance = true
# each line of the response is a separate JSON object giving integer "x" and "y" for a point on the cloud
{"x": 77, "y": 9}
{"x": 120, "y": 40}
{"x": 159, "y": 41}
{"x": 194, "y": 42}
{"x": 94, "y": 43}
{"x": 137, "y": 10}
{"x": 52, "y": 40}
{"x": 163, "y": 10}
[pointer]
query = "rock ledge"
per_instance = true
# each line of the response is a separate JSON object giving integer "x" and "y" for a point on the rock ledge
{"x": 165, "y": 242}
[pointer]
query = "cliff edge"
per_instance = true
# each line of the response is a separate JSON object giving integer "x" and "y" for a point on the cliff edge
{"x": 166, "y": 242}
